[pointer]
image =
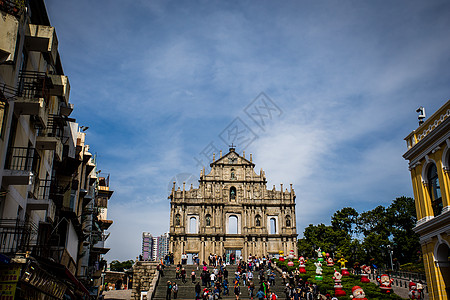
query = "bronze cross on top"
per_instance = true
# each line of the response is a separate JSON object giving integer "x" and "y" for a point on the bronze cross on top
{"x": 232, "y": 146}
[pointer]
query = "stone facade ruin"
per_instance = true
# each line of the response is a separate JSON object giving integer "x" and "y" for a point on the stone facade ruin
{"x": 232, "y": 213}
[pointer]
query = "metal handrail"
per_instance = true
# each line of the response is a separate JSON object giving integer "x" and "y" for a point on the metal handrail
{"x": 16, "y": 235}
{"x": 7, "y": 92}
{"x": 22, "y": 159}
{"x": 34, "y": 85}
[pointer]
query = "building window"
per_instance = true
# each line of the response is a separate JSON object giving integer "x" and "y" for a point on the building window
{"x": 233, "y": 225}
{"x": 258, "y": 221}
{"x": 273, "y": 226}
{"x": 208, "y": 220}
{"x": 434, "y": 189}
{"x": 233, "y": 193}
{"x": 232, "y": 174}
{"x": 193, "y": 225}
{"x": 177, "y": 220}
{"x": 288, "y": 221}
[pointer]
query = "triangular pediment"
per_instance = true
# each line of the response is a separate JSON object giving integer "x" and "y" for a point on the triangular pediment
{"x": 232, "y": 158}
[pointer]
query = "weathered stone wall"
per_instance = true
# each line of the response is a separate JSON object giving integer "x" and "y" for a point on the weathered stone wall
{"x": 200, "y": 218}
{"x": 144, "y": 278}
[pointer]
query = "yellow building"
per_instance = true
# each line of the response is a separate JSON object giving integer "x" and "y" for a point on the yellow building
{"x": 429, "y": 162}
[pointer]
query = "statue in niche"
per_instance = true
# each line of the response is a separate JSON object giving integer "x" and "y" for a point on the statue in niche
{"x": 233, "y": 193}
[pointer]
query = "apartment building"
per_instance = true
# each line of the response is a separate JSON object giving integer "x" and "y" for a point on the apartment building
{"x": 147, "y": 246}
{"x": 154, "y": 248}
{"x": 52, "y": 200}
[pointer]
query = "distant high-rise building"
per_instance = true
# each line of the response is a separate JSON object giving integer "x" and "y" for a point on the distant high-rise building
{"x": 162, "y": 245}
{"x": 154, "y": 248}
{"x": 147, "y": 246}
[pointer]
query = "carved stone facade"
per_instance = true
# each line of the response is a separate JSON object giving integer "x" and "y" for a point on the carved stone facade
{"x": 232, "y": 211}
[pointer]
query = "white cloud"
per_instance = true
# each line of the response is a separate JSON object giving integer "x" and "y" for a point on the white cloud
{"x": 157, "y": 81}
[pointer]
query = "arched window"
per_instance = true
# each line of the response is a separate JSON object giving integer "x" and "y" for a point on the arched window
{"x": 233, "y": 225}
{"x": 273, "y": 226}
{"x": 288, "y": 221}
{"x": 258, "y": 221}
{"x": 193, "y": 225}
{"x": 208, "y": 220}
{"x": 434, "y": 189}
{"x": 177, "y": 220}
{"x": 232, "y": 193}
{"x": 232, "y": 174}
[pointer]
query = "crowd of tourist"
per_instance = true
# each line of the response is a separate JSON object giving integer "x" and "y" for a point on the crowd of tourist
{"x": 212, "y": 280}
{"x": 296, "y": 288}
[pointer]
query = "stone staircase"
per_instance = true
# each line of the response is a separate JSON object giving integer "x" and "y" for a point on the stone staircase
{"x": 187, "y": 290}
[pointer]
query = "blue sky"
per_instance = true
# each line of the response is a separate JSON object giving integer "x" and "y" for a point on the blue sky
{"x": 158, "y": 81}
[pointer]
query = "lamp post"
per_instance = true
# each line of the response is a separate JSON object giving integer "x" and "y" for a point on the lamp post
{"x": 390, "y": 253}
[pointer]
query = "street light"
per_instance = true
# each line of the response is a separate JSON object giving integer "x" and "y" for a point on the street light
{"x": 390, "y": 253}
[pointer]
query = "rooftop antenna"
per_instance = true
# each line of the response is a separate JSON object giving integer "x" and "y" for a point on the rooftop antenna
{"x": 421, "y": 112}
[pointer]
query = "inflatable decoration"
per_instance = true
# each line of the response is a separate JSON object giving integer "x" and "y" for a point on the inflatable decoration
{"x": 338, "y": 291}
{"x": 344, "y": 270}
{"x": 330, "y": 262}
{"x": 302, "y": 266}
{"x": 385, "y": 284}
{"x": 414, "y": 293}
{"x": 319, "y": 255}
{"x": 318, "y": 270}
{"x": 365, "y": 274}
{"x": 358, "y": 293}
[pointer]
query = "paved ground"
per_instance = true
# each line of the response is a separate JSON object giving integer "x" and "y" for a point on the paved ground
{"x": 118, "y": 294}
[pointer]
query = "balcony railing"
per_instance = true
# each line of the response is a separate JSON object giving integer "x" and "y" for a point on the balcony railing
{"x": 54, "y": 128}
{"x": 42, "y": 189}
{"x": 16, "y": 236}
{"x": 13, "y": 7}
{"x": 22, "y": 159}
{"x": 34, "y": 85}
{"x": 7, "y": 92}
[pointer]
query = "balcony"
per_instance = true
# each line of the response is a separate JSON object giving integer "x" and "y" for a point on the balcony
{"x": 8, "y": 36}
{"x": 90, "y": 166}
{"x": 104, "y": 224}
{"x": 51, "y": 137}
{"x": 40, "y": 199}
{"x": 99, "y": 246}
{"x": 33, "y": 95}
{"x": 21, "y": 163}
{"x": 65, "y": 109}
{"x": 61, "y": 87}
{"x": 92, "y": 178}
{"x": 16, "y": 235}
{"x": 42, "y": 39}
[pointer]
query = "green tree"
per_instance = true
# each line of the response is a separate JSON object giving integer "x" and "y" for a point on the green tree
{"x": 401, "y": 216}
{"x": 374, "y": 221}
{"x": 121, "y": 266}
{"x": 325, "y": 237}
{"x": 345, "y": 219}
